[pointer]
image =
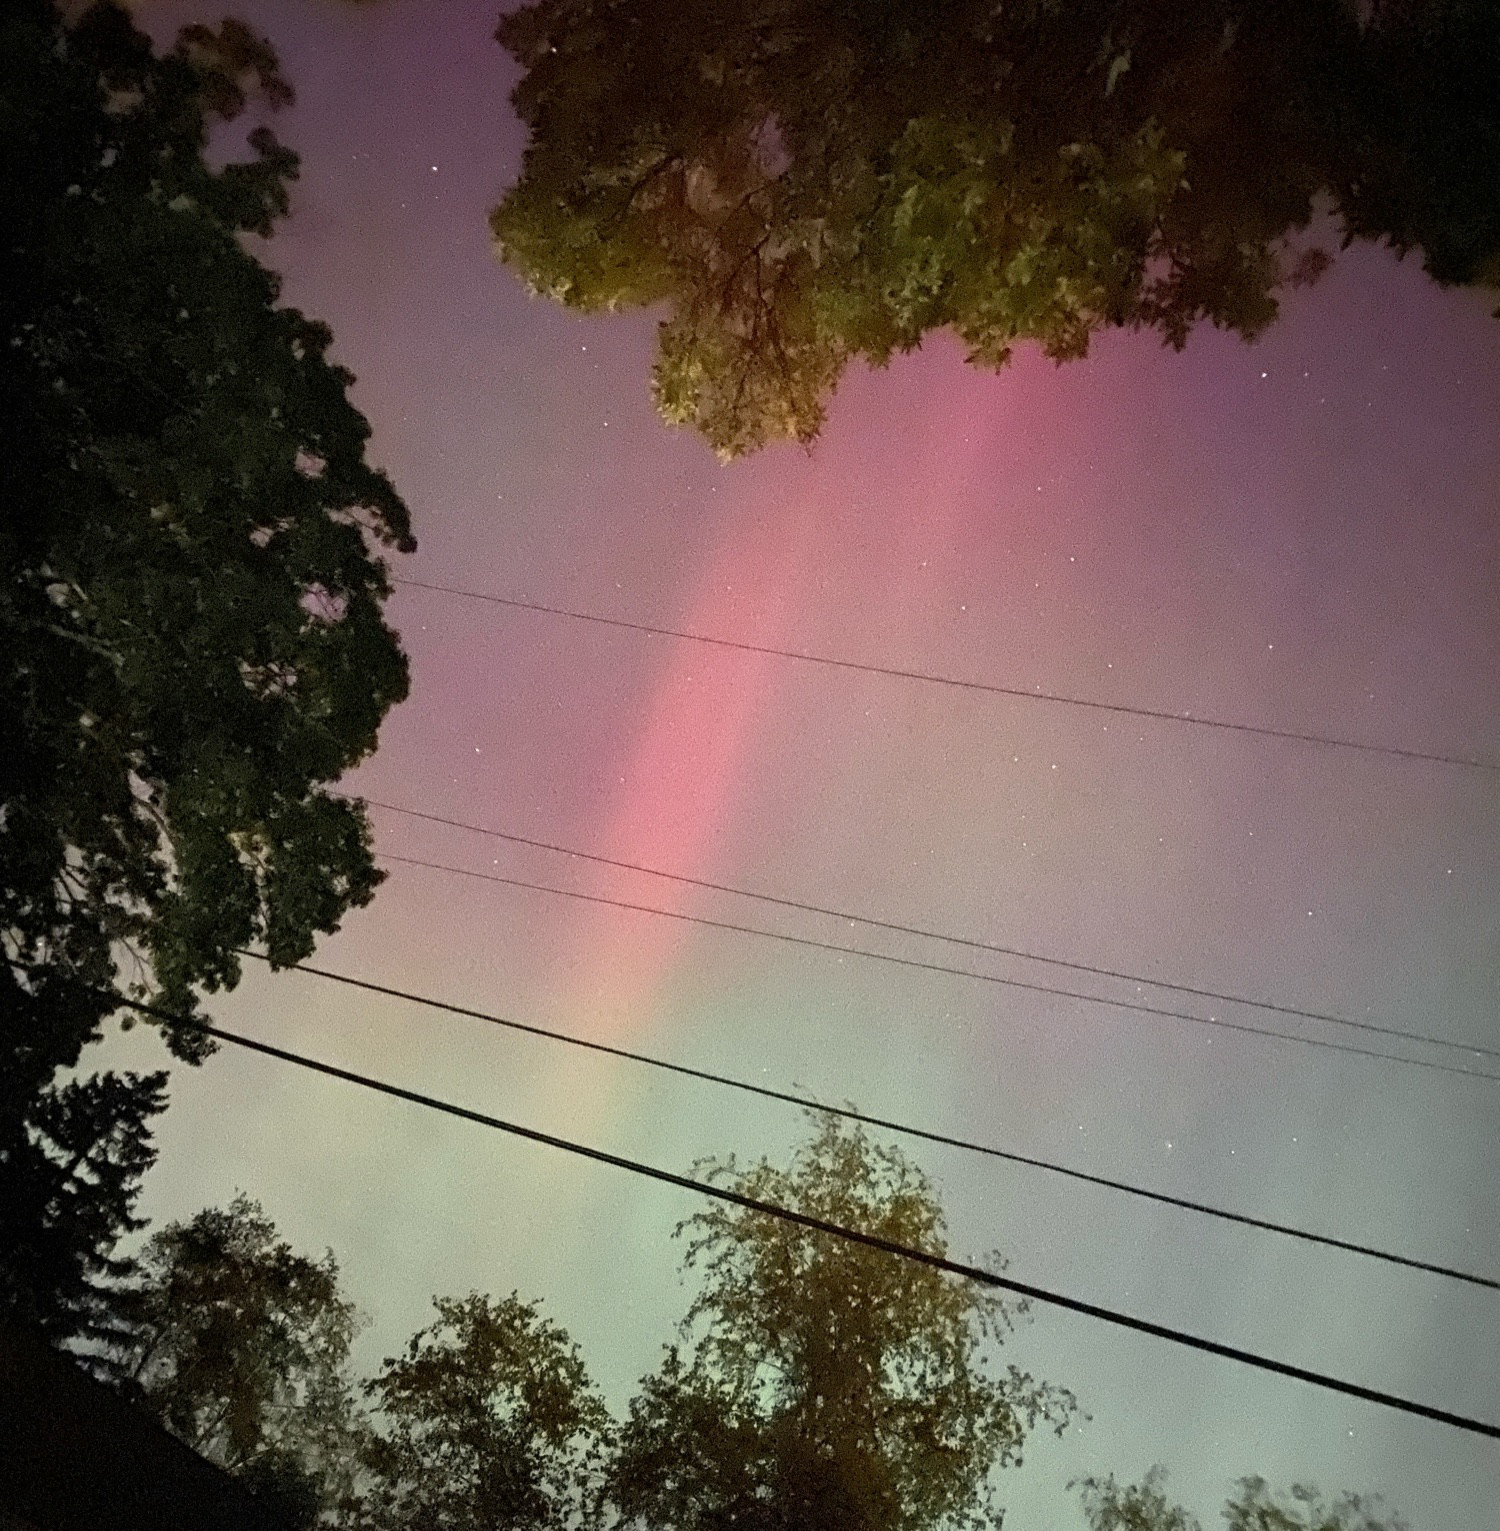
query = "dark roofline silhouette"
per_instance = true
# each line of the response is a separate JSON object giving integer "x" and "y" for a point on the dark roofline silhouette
{"x": 75, "y": 1456}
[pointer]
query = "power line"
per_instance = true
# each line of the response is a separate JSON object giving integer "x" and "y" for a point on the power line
{"x": 988, "y": 688}
{"x": 811, "y": 943}
{"x": 938, "y": 935}
{"x": 973, "y": 1273}
{"x": 848, "y": 1113}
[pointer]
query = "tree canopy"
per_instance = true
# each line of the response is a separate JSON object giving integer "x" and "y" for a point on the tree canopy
{"x": 191, "y": 638}
{"x": 815, "y": 1383}
{"x": 488, "y": 1422}
{"x": 1144, "y": 1506}
{"x": 823, "y": 1383}
{"x": 805, "y": 182}
{"x": 240, "y": 1346}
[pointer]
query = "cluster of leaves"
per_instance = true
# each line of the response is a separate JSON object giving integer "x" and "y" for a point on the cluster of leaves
{"x": 815, "y": 1383}
{"x": 241, "y": 1346}
{"x": 487, "y": 1420}
{"x": 821, "y": 1382}
{"x": 191, "y": 640}
{"x": 803, "y": 182}
{"x": 1144, "y": 1506}
{"x": 191, "y": 611}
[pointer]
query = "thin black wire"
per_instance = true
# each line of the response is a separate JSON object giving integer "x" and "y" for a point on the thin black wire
{"x": 849, "y": 1113}
{"x": 941, "y": 967}
{"x": 938, "y": 935}
{"x": 988, "y": 688}
{"x": 835, "y": 1230}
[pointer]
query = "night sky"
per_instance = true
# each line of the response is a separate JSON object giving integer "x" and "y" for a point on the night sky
{"x": 1300, "y": 534}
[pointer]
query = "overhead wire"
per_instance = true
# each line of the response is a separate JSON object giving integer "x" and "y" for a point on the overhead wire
{"x": 727, "y": 1194}
{"x": 974, "y": 944}
{"x": 850, "y": 1113}
{"x": 1029, "y": 986}
{"x": 989, "y": 688}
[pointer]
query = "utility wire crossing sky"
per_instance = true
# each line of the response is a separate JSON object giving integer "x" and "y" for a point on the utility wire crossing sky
{"x": 1036, "y": 694}
{"x": 1134, "y": 1006}
{"x": 847, "y": 917}
{"x": 848, "y": 1113}
{"x": 819, "y": 1225}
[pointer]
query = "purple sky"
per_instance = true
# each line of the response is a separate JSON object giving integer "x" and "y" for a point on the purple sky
{"x": 1300, "y": 534}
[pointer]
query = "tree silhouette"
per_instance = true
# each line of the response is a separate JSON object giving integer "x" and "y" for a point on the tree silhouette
{"x": 1111, "y": 1506}
{"x": 1144, "y": 1506}
{"x": 71, "y": 1161}
{"x": 824, "y": 1384}
{"x": 191, "y": 641}
{"x": 805, "y": 182}
{"x": 488, "y": 1423}
{"x": 240, "y": 1346}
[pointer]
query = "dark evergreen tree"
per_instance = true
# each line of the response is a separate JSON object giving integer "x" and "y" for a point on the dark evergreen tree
{"x": 71, "y": 1161}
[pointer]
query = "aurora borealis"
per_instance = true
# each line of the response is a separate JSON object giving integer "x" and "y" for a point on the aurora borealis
{"x": 1302, "y": 533}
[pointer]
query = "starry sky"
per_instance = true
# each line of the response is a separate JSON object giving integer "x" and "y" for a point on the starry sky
{"x": 1300, "y": 534}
